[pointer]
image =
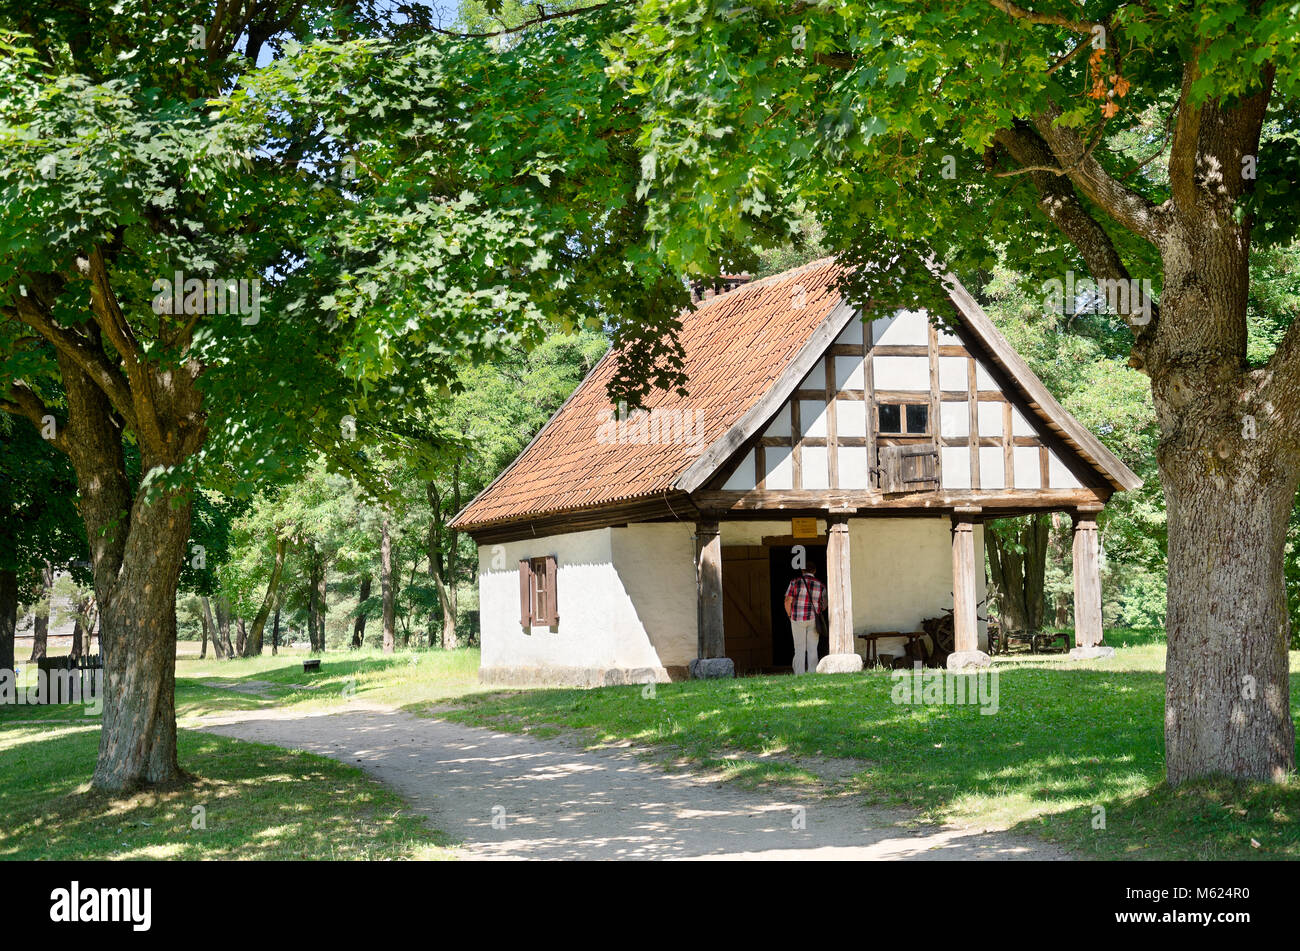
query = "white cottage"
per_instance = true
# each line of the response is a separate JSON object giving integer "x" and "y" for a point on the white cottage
{"x": 621, "y": 549}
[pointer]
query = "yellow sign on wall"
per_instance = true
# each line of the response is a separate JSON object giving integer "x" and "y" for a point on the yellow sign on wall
{"x": 803, "y": 527}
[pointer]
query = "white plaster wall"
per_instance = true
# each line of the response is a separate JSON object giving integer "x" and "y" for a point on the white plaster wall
{"x": 586, "y": 585}
{"x": 902, "y": 574}
{"x": 656, "y": 566}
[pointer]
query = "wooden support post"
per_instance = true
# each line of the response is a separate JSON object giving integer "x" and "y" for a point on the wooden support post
{"x": 966, "y": 648}
{"x": 711, "y": 661}
{"x": 1087, "y": 588}
{"x": 839, "y": 599}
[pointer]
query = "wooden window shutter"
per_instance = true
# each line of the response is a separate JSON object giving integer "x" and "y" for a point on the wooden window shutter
{"x": 552, "y": 604}
{"x": 891, "y": 469}
{"x": 909, "y": 468}
{"x": 525, "y": 593}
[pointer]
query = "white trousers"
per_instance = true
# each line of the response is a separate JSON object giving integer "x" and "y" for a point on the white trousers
{"x": 805, "y": 644}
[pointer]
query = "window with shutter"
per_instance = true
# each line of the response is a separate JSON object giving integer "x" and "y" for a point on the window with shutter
{"x": 539, "y": 590}
{"x": 538, "y": 604}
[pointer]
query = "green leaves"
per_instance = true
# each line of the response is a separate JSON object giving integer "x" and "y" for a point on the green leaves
{"x": 859, "y": 122}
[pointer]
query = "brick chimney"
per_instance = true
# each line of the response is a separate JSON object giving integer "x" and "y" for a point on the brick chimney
{"x": 707, "y": 288}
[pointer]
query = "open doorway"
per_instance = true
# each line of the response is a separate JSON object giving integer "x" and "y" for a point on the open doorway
{"x": 781, "y": 566}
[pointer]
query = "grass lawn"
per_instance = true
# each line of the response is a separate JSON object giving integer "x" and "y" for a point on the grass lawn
{"x": 208, "y": 687}
{"x": 404, "y": 679}
{"x": 1067, "y": 738}
{"x": 259, "y": 801}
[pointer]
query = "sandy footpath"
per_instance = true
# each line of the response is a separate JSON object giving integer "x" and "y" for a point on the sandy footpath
{"x": 510, "y": 796}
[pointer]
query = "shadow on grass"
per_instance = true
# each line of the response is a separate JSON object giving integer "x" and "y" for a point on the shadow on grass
{"x": 1210, "y": 819}
{"x": 247, "y": 801}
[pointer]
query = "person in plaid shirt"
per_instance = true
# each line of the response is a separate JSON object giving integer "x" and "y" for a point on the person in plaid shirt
{"x": 805, "y": 598}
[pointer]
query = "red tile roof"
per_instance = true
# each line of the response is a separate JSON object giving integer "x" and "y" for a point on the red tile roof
{"x": 735, "y": 346}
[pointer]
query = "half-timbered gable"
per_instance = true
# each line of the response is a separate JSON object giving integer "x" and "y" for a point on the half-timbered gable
{"x": 900, "y": 406}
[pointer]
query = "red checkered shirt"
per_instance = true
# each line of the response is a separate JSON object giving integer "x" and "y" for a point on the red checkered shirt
{"x": 809, "y": 596}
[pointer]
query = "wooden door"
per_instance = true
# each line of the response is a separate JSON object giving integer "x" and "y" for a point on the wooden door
{"x": 746, "y": 606}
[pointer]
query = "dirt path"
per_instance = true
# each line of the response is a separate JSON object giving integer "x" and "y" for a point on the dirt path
{"x": 551, "y": 800}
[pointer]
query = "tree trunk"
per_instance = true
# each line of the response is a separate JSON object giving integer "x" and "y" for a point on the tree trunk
{"x": 275, "y": 632}
{"x": 138, "y": 740}
{"x": 316, "y": 604}
{"x": 8, "y": 617}
{"x": 137, "y": 547}
{"x": 210, "y": 628}
{"x": 406, "y": 618}
{"x": 1227, "y": 696}
{"x": 359, "y": 627}
{"x": 203, "y": 624}
{"x": 1018, "y": 571}
{"x": 241, "y": 638}
{"x": 1061, "y": 554}
{"x": 1062, "y": 618}
{"x": 223, "y": 628}
{"x": 313, "y": 602}
{"x": 442, "y": 571}
{"x": 254, "y": 645}
{"x": 79, "y": 623}
{"x": 322, "y": 592}
{"x": 41, "y": 621}
{"x": 386, "y": 581}
{"x": 1229, "y": 459}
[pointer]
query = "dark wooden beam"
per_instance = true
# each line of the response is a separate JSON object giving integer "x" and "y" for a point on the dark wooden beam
{"x": 708, "y": 583}
{"x": 873, "y": 502}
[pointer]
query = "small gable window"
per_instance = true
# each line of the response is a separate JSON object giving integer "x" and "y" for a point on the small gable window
{"x": 537, "y": 592}
{"x": 904, "y": 419}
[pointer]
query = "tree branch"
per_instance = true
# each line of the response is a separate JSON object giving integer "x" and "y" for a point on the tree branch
{"x": 24, "y": 402}
{"x": 86, "y": 354}
{"x": 1043, "y": 19}
{"x": 1134, "y": 211}
{"x": 540, "y": 18}
{"x": 1187, "y": 132}
{"x": 1081, "y": 45}
{"x": 1278, "y": 381}
{"x": 1061, "y": 204}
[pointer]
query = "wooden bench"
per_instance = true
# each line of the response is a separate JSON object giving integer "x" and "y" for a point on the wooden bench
{"x": 310, "y": 664}
{"x": 913, "y": 637}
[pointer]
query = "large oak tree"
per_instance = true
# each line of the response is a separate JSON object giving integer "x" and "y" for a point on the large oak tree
{"x": 397, "y": 229}
{"x": 1153, "y": 141}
